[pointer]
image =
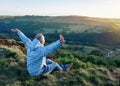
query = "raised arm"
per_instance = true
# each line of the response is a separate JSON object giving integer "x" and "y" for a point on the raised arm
{"x": 22, "y": 36}
{"x": 53, "y": 47}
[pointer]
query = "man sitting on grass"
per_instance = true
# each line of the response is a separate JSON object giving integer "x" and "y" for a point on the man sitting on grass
{"x": 37, "y": 64}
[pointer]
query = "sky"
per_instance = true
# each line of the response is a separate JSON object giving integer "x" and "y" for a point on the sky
{"x": 91, "y": 8}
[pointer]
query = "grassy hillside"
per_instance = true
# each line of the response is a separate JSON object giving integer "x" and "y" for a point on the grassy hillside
{"x": 86, "y": 70}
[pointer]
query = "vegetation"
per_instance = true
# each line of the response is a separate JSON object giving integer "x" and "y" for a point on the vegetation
{"x": 92, "y": 45}
{"x": 77, "y": 30}
{"x": 87, "y": 70}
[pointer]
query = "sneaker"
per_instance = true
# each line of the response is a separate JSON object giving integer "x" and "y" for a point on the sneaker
{"x": 68, "y": 66}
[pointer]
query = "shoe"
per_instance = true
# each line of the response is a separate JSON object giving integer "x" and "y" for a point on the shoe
{"x": 68, "y": 67}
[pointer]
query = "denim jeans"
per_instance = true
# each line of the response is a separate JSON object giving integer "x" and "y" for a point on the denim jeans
{"x": 51, "y": 66}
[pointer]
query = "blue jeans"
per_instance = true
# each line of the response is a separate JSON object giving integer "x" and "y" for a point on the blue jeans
{"x": 51, "y": 66}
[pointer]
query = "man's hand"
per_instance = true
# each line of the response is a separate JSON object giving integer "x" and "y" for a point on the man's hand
{"x": 62, "y": 39}
{"x": 15, "y": 30}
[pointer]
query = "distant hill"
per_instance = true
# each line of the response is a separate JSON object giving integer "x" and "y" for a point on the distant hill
{"x": 71, "y": 23}
{"x": 87, "y": 30}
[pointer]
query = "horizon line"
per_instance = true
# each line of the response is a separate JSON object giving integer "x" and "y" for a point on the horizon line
{"x": 65, "y": 16}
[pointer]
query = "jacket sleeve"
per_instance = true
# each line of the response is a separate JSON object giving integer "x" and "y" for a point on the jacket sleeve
{"x": 25, "y": 40}
{"x": 51, "y": 48}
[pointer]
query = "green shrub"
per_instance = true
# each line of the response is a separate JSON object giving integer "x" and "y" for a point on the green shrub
{"x": 97, "y": 53}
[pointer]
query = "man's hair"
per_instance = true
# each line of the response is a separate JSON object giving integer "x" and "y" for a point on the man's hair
{"x": 38, "y": 36}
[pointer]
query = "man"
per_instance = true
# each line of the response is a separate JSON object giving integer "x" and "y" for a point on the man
{"x": 37, "y": 64}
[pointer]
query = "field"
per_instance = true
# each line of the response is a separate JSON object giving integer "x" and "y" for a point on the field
{"x": 92, "y": 45}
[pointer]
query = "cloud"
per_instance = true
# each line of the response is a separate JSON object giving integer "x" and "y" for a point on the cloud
{"x": 112, "y": 2}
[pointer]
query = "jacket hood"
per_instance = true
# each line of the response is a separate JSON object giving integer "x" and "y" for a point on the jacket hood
{"x": 35, "y": 43}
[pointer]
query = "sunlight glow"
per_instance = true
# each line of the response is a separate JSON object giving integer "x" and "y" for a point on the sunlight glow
{"x": 92, "y": 8}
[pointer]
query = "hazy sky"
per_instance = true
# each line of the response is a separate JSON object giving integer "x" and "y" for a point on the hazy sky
{"x": 93, "y": 8}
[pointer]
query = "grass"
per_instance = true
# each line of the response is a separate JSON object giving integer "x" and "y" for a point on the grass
{"x": 13, "y": 72}
{"x": 12, "y": 51}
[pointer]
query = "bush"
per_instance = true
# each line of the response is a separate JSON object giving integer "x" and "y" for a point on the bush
{"x": 92, "y": 59}
{"x": 117, "y": 62}
{"x": 97, "y": 53}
